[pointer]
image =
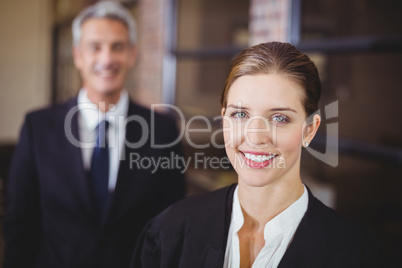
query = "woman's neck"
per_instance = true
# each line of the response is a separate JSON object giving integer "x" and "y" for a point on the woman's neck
{"x": 261, "y": 204}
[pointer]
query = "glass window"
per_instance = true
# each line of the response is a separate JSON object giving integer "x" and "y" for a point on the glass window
{"x": 212, "y": 23}
{"x": 209, "y": 34}
{"x": 345, "y": 18}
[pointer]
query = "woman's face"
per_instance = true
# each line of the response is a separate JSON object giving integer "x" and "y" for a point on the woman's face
{"x": 263, "y": 128}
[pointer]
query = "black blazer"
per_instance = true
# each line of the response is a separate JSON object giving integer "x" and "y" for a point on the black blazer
{"x": 193, "y": 233}
{"x": 51, "y": 219}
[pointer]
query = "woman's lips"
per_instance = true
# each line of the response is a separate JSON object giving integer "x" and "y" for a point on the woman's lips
{"x": 257, "y": 159}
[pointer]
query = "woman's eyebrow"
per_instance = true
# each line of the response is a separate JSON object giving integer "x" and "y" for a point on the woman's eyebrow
{"x": 276, "y": 109}
{"x": 279, "y": 109}
{"x": 237, "y": 107}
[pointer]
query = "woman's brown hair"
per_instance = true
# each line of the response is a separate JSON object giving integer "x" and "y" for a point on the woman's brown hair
{"x": 277, "y": 58}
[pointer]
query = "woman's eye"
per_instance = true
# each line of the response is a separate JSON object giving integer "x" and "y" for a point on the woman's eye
{"x": 280, "y": 119}
{"x": 239, "y": 114}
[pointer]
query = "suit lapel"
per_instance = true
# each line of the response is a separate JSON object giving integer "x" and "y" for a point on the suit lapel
{"x": 128, "y": 188}
{"x": 307, "y": 242}
{"x": 72, "y": 153}
{"x": 216, "y": 235}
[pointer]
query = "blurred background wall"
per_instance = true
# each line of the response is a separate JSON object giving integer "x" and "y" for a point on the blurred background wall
{"x": 185, "y": 48}
{"x": 25, "y": 56}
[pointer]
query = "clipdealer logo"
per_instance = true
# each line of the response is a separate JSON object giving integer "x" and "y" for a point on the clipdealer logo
{"x": 147, "y": 131}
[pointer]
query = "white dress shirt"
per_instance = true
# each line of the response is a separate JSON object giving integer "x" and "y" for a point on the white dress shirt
{"x": 278, "y": 233}
{"x": 89, "y": 118}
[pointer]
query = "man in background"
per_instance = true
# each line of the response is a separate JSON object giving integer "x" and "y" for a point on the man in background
{"x": 77, "y": 195}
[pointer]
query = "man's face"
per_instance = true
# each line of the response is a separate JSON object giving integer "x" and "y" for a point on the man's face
{"x": 104, "y": 55}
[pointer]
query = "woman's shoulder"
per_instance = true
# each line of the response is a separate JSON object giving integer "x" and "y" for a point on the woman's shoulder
{"x": 189, "y": 231}
{"x": 319, "y": 214}
{"x": 331, "y": 226}
{"x": 339, "y": 241}
{"x": 194, "y": 210}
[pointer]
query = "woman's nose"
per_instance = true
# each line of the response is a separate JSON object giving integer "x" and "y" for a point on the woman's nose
{"x": 258, "y": 132}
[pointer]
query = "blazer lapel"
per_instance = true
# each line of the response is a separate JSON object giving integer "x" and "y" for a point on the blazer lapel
{"x": 307, "y": 244}
{"x": 217, "y": 235}
{"x": 129, "y": 180}
{"x": 72, "y": 153}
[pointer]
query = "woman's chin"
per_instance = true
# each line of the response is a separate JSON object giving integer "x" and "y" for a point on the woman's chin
{"x": 255, "y": 181}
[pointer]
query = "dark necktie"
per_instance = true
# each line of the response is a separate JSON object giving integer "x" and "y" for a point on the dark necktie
{"x": 100, "y": 167}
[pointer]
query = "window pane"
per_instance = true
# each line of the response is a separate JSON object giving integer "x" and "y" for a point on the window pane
{"x": 199, "y": 85}
{"x": 208, "y": 23}
{"x": 345, "y": 18}
{"x": 368, "y": 89}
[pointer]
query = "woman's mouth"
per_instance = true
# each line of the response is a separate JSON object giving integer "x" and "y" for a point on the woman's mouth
{"x": 258, "y": 160}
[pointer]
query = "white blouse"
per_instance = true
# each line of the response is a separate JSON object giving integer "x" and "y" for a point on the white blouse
{"x": 278, "y": 234}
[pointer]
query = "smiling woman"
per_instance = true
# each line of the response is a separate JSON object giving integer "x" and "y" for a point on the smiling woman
{"x": 270, "y": 218}
{"x": 271, "y": 124}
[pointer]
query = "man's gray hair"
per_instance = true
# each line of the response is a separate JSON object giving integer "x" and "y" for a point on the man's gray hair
{"x": 105, "y": 9}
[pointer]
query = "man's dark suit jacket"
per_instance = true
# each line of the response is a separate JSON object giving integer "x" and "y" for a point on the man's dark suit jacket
{"x": 193, "y": 233}
{"x": 51, "y": 220}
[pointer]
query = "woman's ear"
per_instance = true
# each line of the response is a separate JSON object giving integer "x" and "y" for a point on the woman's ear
{"x": 309, "y": 130}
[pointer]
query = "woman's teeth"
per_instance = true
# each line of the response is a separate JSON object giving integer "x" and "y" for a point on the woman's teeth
{"x": 258, "y": 158}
